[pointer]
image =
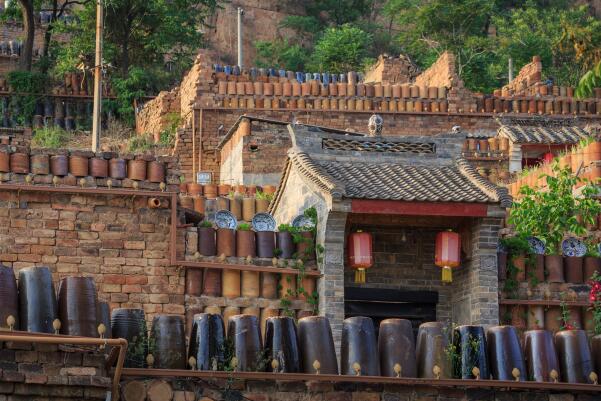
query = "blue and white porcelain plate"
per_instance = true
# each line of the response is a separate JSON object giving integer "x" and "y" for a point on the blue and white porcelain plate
{"x": 573, "y": 247}
{"x": 225, "y": 219}
{"x": 263, "y": 222}
{"x": 537, "y": 245}
{"x": 301, "y": 221}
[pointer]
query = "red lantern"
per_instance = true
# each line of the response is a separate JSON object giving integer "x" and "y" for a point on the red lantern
{"x": 448, "y": 248}
{"x": 360, "y": 254}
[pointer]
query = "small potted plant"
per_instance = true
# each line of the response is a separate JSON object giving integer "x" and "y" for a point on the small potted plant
{"x": 285, "y": 241}
{"x": 183, "y": 187}
{"x": 592, "y": 262}
{"x": 262, "y": 201}
{"x": 206, "y": 238}
{"x": 245, "y": 241}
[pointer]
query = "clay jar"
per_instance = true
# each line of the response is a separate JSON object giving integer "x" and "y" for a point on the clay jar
{"x": 226, "y": 242}
{"x": 591, "y": 265}
{"x": 9, "y": 301}
{"x": 251, "y": 287}
{"x": 359, "y": 346}
{"x": 269, "y": 285}
{"x": 430, "y": 351}
{"x": 471, "y": 345}
{"x": 117, "y": 169}
{"x": 194, "y": 282}
{"x": 77, "y": 306}
{"x": 4, "y": 162}
{"x": 285, "y": 243}
{"x": 130, "y": 324}
{"x": 552, "y": 319}
{"x": 136, "y": 170}
{"x": 37, "y": 300}
{"x": 540, "y": 355}
{"x": 575, "y": 358}
{"x": 40, "y": 164}
{"x": 230, "y": 283}
{"x": 573, "y": 269}
{"x": 99, "y": 168}
{"x": 59, "y": 165}
{"x": 396, "y": 346}
{"x": 265, "y": 244}
{"x": 505, "y": 353}
{"x": 245, "y": 243}
{"x": 554, "y": 267}
{"x": 281, "y": 344}
{"x": 261, "y": 205}
{"x": 206, "y": 241}
{"x": 78, "y": 165}
{"x": 195, "y": 189}
{"x": 596, "y": 351}
{"x": 236, "y": 207}
{"x": 305, "y": 248}
{"x": 155, "y": 172}
{"x": 207, "y": 340}
{"x": 248, "y": 209}
{"x": 169, "y": 339}
{"x": 19, "y": 163}
{"x": 245, "y": 335}
{"x": 211, "y": 282}
{"x": 317, "y": 345}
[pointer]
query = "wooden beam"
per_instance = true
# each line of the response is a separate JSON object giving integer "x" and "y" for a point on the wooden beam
{"x": 419, "y": 208}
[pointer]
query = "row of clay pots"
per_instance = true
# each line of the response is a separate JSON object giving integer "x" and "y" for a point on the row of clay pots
{"x": 81, "y": 166}
{"x": 535, "y": 317}
{"x": 314, "y": 88}
{"x": 494, "y": 175}
{"x": 552, "y": 268}
{"x": 537, "y": 106}
{"x": 244, "y": 209}
{"x": 483, "y": 145}
{"x": 350, "y": 104}
{"x": 35, "y": 307}
{"x": 232, "y": 284}
{"x": 212, "y": 191}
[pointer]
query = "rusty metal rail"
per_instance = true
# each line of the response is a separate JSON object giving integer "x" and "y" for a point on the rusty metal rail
{"x": 457, "y": 383}
{"x": 41, "y": 338}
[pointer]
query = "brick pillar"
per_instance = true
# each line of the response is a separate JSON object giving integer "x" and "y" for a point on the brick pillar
{"x": 331, "y": 286}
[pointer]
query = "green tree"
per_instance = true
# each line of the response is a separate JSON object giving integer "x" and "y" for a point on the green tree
{"x": 281, "y": 54}
{"x": 590, "y": 80}
{"x": 341, "y": 49}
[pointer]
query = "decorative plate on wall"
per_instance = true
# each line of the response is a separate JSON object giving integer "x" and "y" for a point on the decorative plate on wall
{"x": 225, "y": 219}
{"x": 263, "y": 222}
{"x": 302, "y": 221}
{"x": 537, "y": 245}
{"x": 573, "y": 247}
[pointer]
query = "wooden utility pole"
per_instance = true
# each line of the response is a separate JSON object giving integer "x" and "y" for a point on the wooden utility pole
{"x": 96, "y": 118}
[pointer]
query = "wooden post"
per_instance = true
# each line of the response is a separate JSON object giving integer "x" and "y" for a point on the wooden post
{"x": 97, "y": 115}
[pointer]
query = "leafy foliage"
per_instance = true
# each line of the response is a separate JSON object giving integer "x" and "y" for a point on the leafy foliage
{"x": 50, "y": 137}
{"x": 341, "y": 49}
{"x": 31, "y": 85}
{"x": 590, "y": 80}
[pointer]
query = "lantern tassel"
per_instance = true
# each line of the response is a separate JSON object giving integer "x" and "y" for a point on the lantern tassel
{"x": 360, "y": 276}
{"x": 447, "y": 274}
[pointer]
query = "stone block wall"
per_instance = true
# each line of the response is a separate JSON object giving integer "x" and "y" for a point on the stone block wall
{"x": 528, "y": 77}
{"x": 392, "y": 70}
{"x": 154, "y": 116}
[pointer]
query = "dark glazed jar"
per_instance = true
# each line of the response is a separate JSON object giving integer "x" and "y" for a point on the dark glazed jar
{"x": 103, "y": 314}
{"x": 244, "y": 333}
{"x": 540, "y": 355}
{"x": 117, "y": 169}
{"x": 130, "y": 324}
{"x": 207, "y": 341}
{"x": 470, "y": 343}
{"x": 9, "y": 300}
{"x": 37, "y": 300}
{"x": 206, "y": 241}
{"x": 265, "y": 244}
{"x": 397, "y": 347}
{"x": 99, "y": 167}
{"x": 359, "y": 350}
{"x": 281, "y": 345}
{"x": 505, "y": 353}
{"x": 575, "y": 360}
{"x": 285, "y": 244}
{"x": 317, "y": 346}
{"x": 59, "y": 165}
{"x": 431, "y": 351}
{"x": 169, "y": 339}
{"x": 77, "y": 307}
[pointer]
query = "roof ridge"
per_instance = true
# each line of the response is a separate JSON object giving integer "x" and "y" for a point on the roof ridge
{"x": 495, "y": 192}
{"x": 308, "y": 168}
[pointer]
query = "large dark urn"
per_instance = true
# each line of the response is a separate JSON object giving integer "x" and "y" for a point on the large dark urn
{"x": 281, "y": 345}
{"x": 396, "y": 348}
{"x": 540, "y": 355}
{"x": 103, "y": 314}
{"x": 431, "y": 349}
{"x": 245, "y": 334}
{"x": 9, "y": 297}
{"x": 168, "y": 337}
{"x": 207, "y": 341}
{"x": 37, "y": 300}
{"x": 575, "y": 360}
{"x": 505, "y": 354}
{"x": 359, "y": 350}
{"x": 318, "y": 354}
{"x": 130, "y": 324}
{"x": 470, "y": 343}
{"x": 77, "y": 306}
{"x": 596, "y": 352}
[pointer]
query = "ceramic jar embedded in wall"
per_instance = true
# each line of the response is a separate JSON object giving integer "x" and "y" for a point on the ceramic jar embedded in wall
{"x": 136, "y": 170}
{"x": 117, "y": 169}
{"x": 19, "y": 163}
{"x": 226, "y": 242}
{"x": 59, "y": 165}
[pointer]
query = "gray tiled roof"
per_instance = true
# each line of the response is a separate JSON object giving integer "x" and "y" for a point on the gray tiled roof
{"x": 543, "y": 135}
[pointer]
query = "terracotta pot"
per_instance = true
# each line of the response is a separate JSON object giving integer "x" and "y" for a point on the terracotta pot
{"x": 253, "y": 311}
{"x": 431, "y": 351}
{"x": 244, "y": 333}
{"x": 575, "y": 318}
{"x": 316, "y": 344}
{"x": 540, "y": 355}
{"x": 212, "y": 309}
{"x": 19, "y": 163}
{"x": 211, "y": 283}
{"x": 305, "y": 248}
{"x": 226, "y": 242}
{"x": 505, "y": 353}
{"x": 281, "y": 344}
{"x": 287, "y": 287}
{"x": 98, "y": 167}
{"x": 518, "y": 316}
{"x": 169, "y": 338}
{"x": 117, "y": 169}
{"x": 136, "y": 170}
{"x": 9, "y": 300}
{"x": 553, "y": 319}
{"x": 502, "y": 265}
{"x": 575, "y": 359}
{"x": 37, "y": 300}
{"x": 199, "y": 204}
{"x": 59, "y": 165}
{"x": 265, "y": 244}
{"x": 206, "y": 241}
{"x": 538, "y": 268}
{"x": 261, "y": 205}
{"x": 40, "y": 164}
{"x": 396, "y": 346}
{"x": 359, "y": 345}
{"x": 186, "y": 202}
{"x": 4, "y": 162}
{"x": 536, "y": 318}
{"x": 230, "y": 283}
{"x": 251, "y": 287}
{"x": 155, "y": 172}
{"x": 471, "y": 345}
{"x": 573, "y": 269}
{"x": 207, "y": 341}
{"x": 223, "y": 203}
{"x": 77, "y": 306}
{"x": 78, "y": 165}
{"x": 223, "y": 189}
{"x": 269, "y": 285}
{"x": 554, "y": 268}
{"x": 236, "y": 207}
{"x": 248, "y": 209}
{"x": 130, "y": 324}
{"x": 195, "y": 189}
{"x": 308, "y": 285}
{"x": 591, "y": 265}
{"x": 194, "y": 282}
{"x": 519, "y": 261}
{"x": 285, "y": 243}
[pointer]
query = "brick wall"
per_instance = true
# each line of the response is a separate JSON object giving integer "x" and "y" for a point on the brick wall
{"x": 392, "y": 70}
{"x": 154, "y": 116}
{"x": 527, "y": 77}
